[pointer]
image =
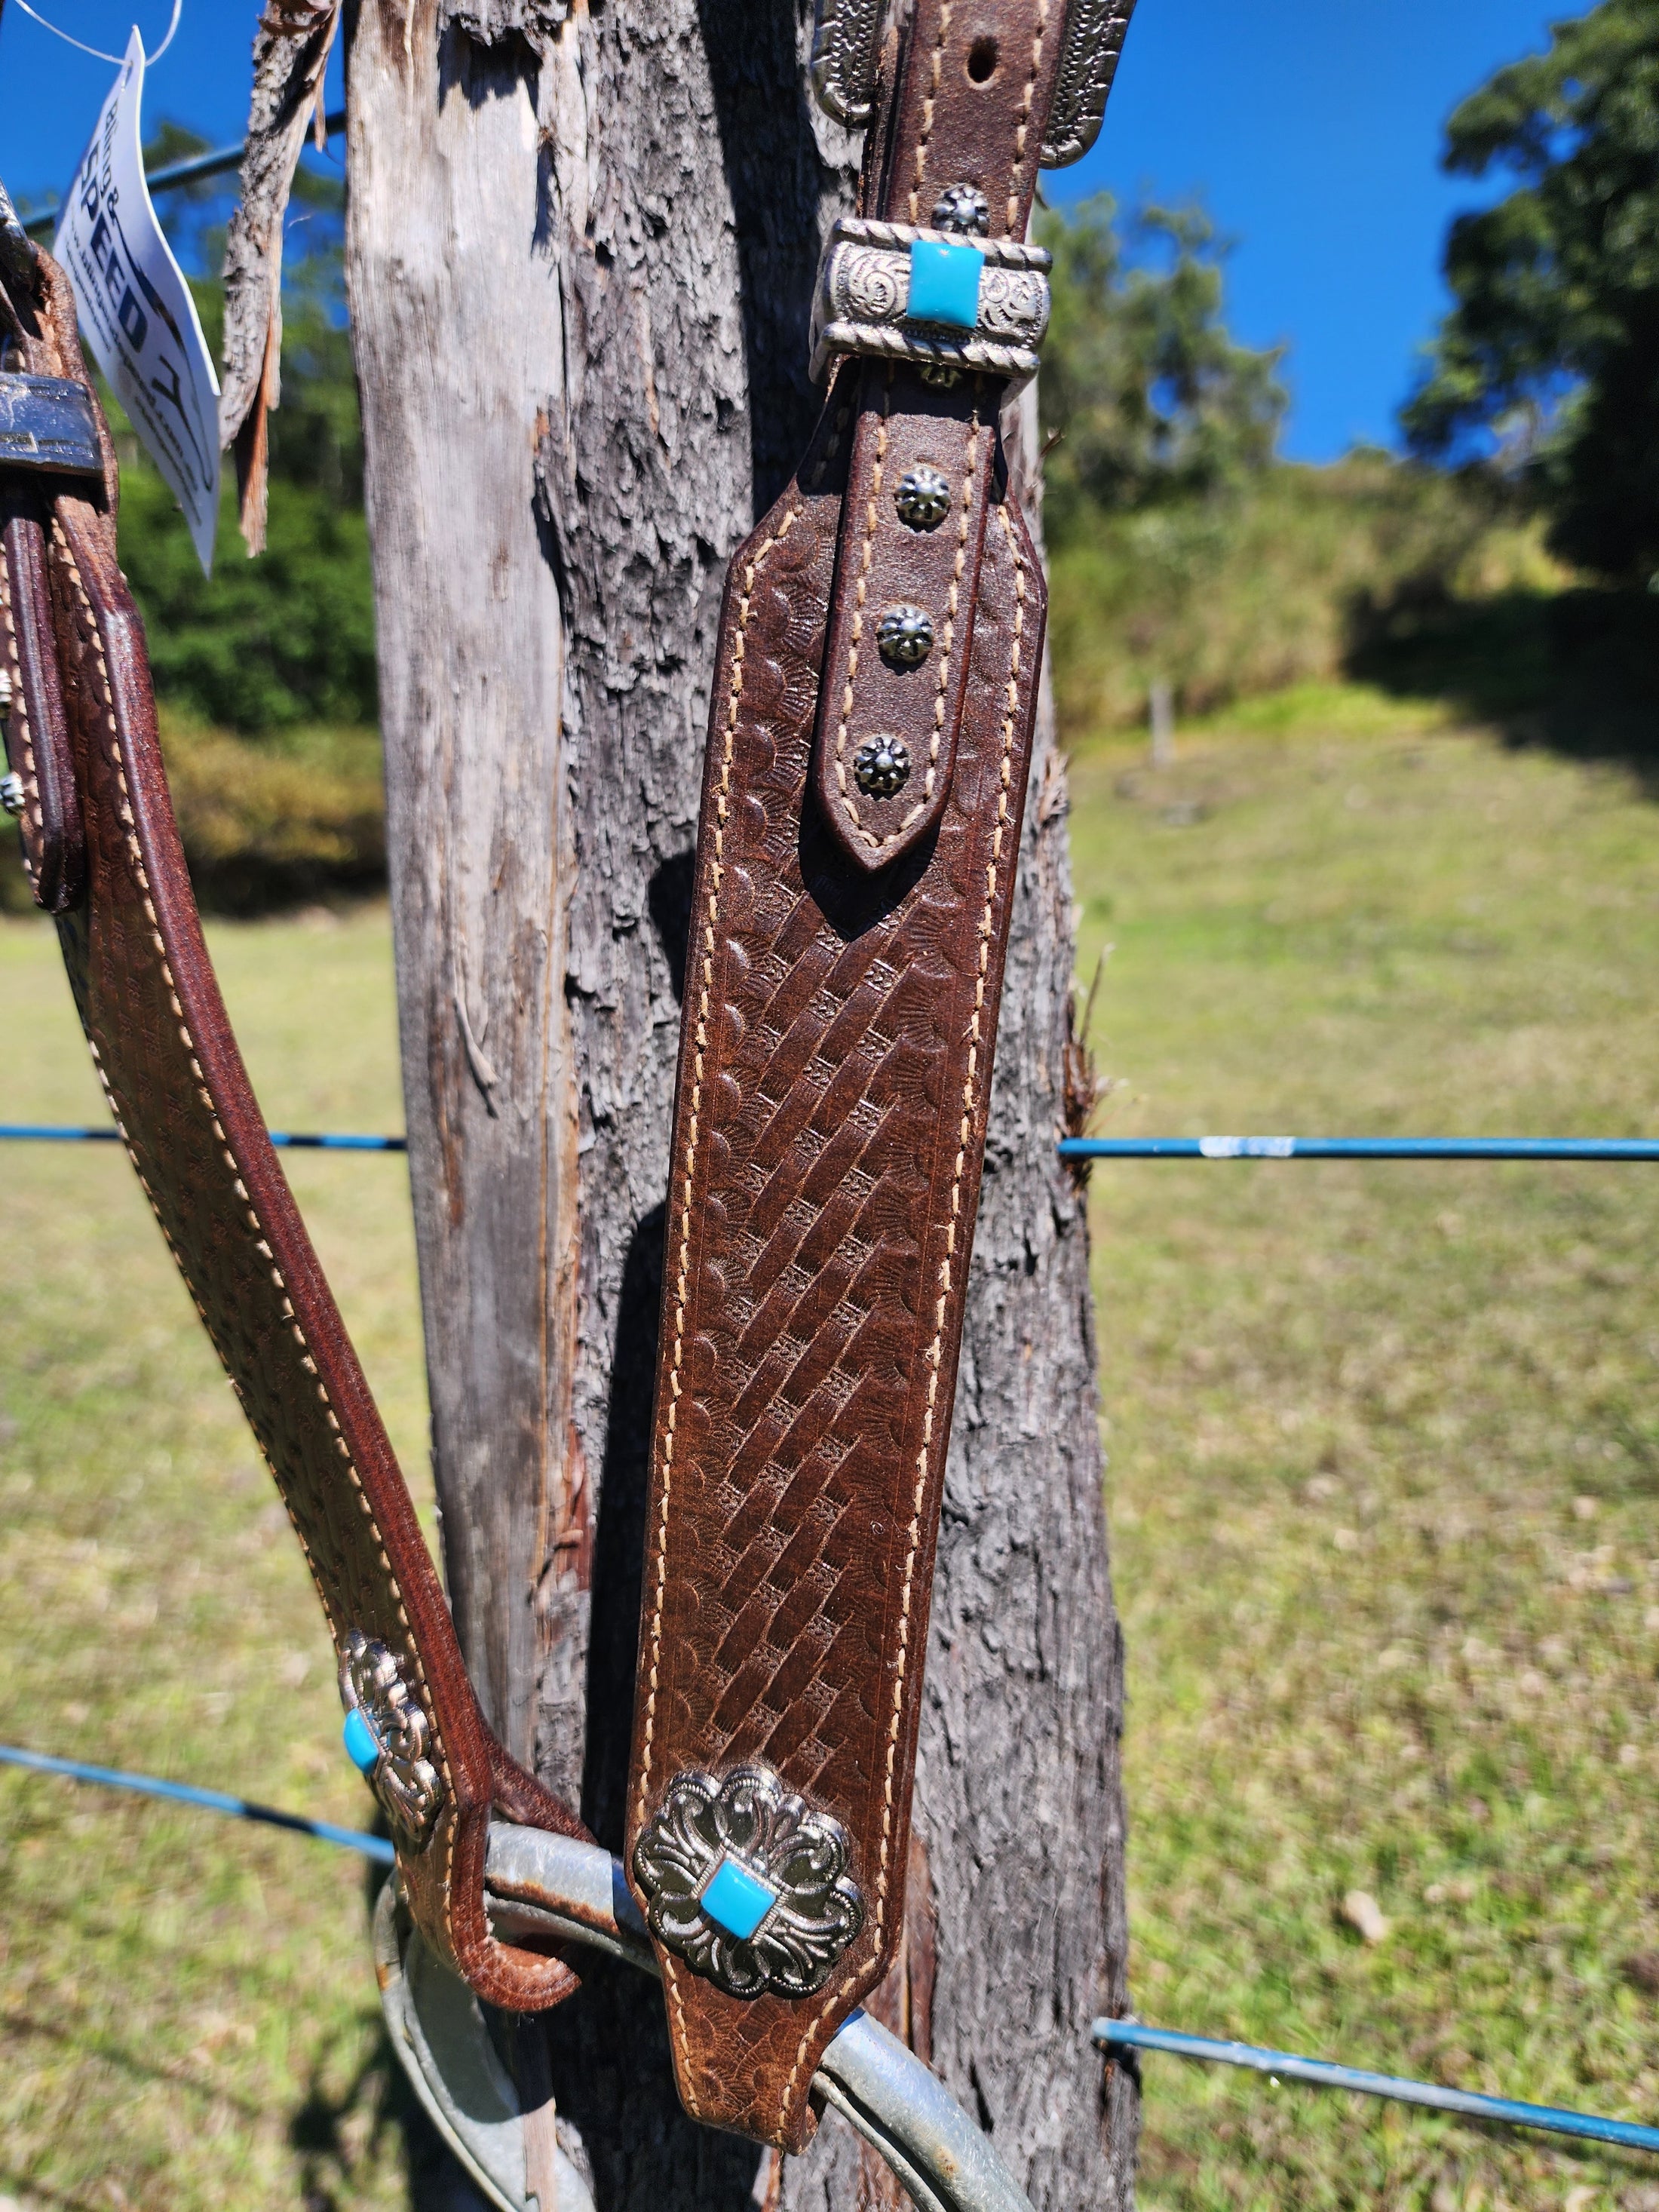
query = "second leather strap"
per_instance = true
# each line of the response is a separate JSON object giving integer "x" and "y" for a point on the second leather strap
{"x": 829, "y": 1123}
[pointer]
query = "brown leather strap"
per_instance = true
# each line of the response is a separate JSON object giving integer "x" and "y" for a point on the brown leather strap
{"x": 168, "y": 1062}
{"x": 963, "y": 134}
{"x": 840, "y": 1021}
{"x": 37, "y": 735}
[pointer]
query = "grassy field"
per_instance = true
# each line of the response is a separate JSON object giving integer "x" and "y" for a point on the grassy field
{"x": 187, "y": 2008}
{"x": 1385, "y": 1461}
{"x": 1384, "y": 1445}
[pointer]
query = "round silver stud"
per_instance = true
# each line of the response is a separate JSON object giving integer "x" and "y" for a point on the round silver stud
{"x": 923, "y": 496}
{"x": 962, "y": 207}
{"x": 882, "y": 766}
{"x": 904, "y": 635}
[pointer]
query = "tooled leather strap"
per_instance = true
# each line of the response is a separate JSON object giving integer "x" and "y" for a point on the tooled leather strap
{"x": 104, "y": 854}
{"x": 874, "y": 698}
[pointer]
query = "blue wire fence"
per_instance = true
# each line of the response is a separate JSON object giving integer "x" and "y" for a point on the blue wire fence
{"x": 1283, "y": 2065}
{"x": 1109, "y": 2034}
{"x": 1070, "y": 1148}
{"x": 191, "y": 171}
{"x": 57, "y": 1132}
{"x": 207, "y": 1801}
{"x": 1360, "y": 1148}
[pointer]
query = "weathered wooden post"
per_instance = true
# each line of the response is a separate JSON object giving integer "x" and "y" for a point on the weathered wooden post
{"x": 580, "y": 249}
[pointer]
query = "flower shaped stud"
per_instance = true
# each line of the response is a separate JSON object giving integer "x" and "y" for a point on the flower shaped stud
{"x": 962, "y": 207}
{"x": 748, "y": 1883}
{"x": 922, "y": 497}
{"x": 881, "y": 767}
{"x": 904, "y": 636}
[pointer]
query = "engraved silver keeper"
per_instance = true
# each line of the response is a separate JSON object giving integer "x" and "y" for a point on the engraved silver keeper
{"x": 863, "y": 300}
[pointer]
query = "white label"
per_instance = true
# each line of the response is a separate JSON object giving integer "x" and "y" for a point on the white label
{"x": 137, "y": 314}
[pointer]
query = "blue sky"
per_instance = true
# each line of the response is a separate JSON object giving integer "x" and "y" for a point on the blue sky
{"x": 1311, "y": 128}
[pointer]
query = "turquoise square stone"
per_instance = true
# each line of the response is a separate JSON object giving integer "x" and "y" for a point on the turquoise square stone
{"x": 359, "y": 1740}
{"x": 944, "y": 284}
{"x": 737, "y": 1900}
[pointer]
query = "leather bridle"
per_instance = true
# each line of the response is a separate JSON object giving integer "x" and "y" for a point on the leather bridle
{"x": 874, "y": 697}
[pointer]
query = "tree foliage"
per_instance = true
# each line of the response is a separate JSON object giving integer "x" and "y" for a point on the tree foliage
{"x": 287, "y": 639}
{"x": 1552, "y": 345}
{"x": 1147, "y": 399}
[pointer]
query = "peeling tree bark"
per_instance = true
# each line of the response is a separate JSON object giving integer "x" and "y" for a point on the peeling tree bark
{"x": 290, "y": 54}
{"x": 580, "y": 251}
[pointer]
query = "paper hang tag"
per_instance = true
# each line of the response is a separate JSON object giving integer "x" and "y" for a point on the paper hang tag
{"x": 136, "y": 311}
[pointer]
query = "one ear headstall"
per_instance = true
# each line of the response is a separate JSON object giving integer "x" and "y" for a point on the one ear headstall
{"x": 102, "y": 850}
{"x": 874, "y": 697}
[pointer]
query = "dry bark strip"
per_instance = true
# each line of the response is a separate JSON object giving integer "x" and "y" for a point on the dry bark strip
{"x": 290, "y": 53}
{"x": 580, "y": 250}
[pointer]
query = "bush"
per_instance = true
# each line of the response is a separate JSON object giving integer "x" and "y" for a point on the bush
{"x": 265, "y": 644}
{"x": 1279, "y": 585}
{"x": 297, "y": 817}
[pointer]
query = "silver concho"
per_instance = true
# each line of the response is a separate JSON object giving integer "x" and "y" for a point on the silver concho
{"x": 904, "y": 636}
{"x": 373, "y": 1684}
{"x": 748, "y": 1883}
{"x": 962, "y": 207}
{"x": 881, "y": 766}
{"x": 923, "y": 496}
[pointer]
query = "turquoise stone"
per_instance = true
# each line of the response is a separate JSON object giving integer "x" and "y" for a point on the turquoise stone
{"x": 737, "y": 1900}
{"x": 944, "y": 284}
{"x": 359, "y": 1740}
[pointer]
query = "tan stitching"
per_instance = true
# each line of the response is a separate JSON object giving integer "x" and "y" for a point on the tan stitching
{"x": 717, "y": 869}
{"x": 1022, "y": 122}
{"x": 19, "y": 711}
{"x": 1022, "y": 132}
{"x": 935, "y": 66}
{"x": 688, "y": 2097}
{"x": 860, "y": 592}
{"x": 965, "y": 1139}
{"x": 88, "y": 625}
{"x": 953, "y": 601}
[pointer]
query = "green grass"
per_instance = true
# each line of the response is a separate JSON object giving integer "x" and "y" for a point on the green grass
{"x": 1384, "y": 1445}
{"x": 1384, "y": 1463}
{"x": 187, "y": 2008}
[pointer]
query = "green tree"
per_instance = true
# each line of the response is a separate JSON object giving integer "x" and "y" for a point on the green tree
{"x": 1553, "y": 347}
{"x": 1148, "y": 402}
{"x": 1159, "y": 425}
{"x": 289, "y": 639}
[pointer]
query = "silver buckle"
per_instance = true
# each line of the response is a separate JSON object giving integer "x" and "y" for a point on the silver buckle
{"x": 845, "y": 52}
{"x": 46, "y": 423}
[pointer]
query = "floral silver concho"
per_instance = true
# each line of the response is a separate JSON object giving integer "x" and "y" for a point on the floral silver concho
{"x": 374, "y": 1684}
{"x": 725, "y": 1847}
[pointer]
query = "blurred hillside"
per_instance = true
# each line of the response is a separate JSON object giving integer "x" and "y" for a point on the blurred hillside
{"x": 1182, "y": 549}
